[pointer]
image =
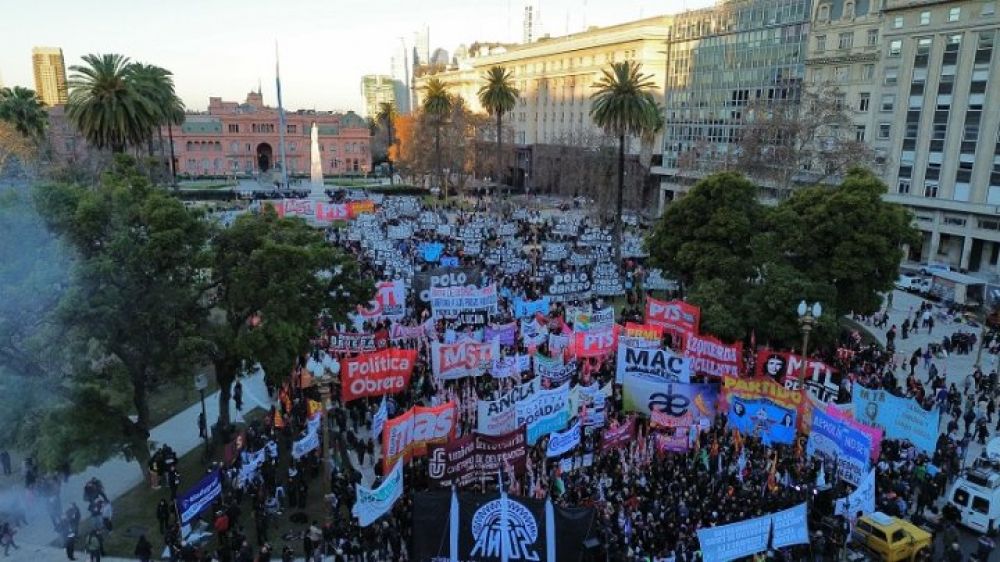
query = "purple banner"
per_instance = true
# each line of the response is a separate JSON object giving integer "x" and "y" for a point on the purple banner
{"x": 505, "y": 333}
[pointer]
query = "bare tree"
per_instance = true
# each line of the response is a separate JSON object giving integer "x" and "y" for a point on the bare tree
{"x": 783, "y": 143}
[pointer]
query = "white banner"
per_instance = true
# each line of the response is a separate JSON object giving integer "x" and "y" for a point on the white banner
{"x": 379, "y": 419}
{"x": 464, "y": 358}
{"x": 544, "y": 412}
{"x": 372, "y": 504}
{"x": 303, "y": 446}
{"x": 562, "y": 442}
{"x": 449, "y": 302}
{"x": 510, "y": 366}
{"x": 862, "y": 499}
{"x": 651, "y": 362}
{"x": 497, "y": 417}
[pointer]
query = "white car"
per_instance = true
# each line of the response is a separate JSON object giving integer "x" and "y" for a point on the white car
{"x": 913, "y": 284}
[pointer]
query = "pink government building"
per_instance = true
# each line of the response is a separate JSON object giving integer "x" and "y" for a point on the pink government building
{"x": 241, "y": 139}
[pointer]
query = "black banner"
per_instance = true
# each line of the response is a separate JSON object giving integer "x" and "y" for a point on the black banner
{"x": 477, "y": 318}
{"x": 568, "y": 286}
{"x": 424, "y": 281}
{"x": 480, "y": 524}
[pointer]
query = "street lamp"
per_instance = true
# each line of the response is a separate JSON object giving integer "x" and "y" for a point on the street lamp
{"x": 808, "y": 317}
{"x": 325, "y": 383}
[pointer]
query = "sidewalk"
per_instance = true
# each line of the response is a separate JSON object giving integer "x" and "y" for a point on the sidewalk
{"x": 119, "y": 476}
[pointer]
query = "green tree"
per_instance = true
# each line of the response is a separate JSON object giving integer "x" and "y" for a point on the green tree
{"x": 847, "y": 236}
{"x": 107, "y": 104}
{"x": 437, "y": 105}
{"x": 157, "y": 84}
{"x": 498, "y": 96}
{"x": 21, "y": 108}
{"x": 387, "y": 116}
{"x": 136, "y": 300}
{"x": 284, "y": 273}
{"x": 709, "y": 233}
{"x": 623, "y": 105}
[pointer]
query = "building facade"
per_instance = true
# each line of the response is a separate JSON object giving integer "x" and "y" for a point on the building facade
{"x": 722, "y": 59}
{"x": 938, "y": 105}
{"x": 377, "y": 89}
{"x": 50, "y": 75}
{"x": 556, "y": 76}
{"x": 242, "y": 139}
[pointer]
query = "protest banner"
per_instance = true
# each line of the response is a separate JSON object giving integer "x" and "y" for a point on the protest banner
{"x": 712, "y": 357}
{"x": 308, "y": 443}
{"x": 821, "y": 380}
{"x": 686, "y": 402}
{"x": 762, "y": 418}
{"x": 585, "y": 320}
{"x": 199, "y": 497}
{"x": 443, "y": 277}
{"x": 835, "y": 440}
{"x": 450, "y": 302}
{"x": 618, "y": 436}
{"x": 304, "y": 208}
{"x": 476, "y": 318}
{"x": 543, "y": 412}
{"x": 423, "y": 331}
{"x": 607, "y": 280}
{"x": 533, "y": 334}
{"x": 371, "y": 504}
{"x": 250, "y": 466}
{"x": 528, "y": 309}
{"x": 472, "y": 458}
{"x": 560, "y": 343}
{"x": 655, "y": 281}
{"x": 597, "y": 342}
{"x": 675, "y": 315}
{"x": 644, "y": 331}
{"x": 357, "y": 208}
{"x": 408, "y": 435}
{"x": 376, "y": 374}
{"x": 861, "y": 499}
{"x": 899, "y": 418}
{"x": 465, "y": 358}
{"x": 746, "y": 538}
{"x": 562, "y": 442}
{"x": 496, "y": 528}
{"x": 379, "y": 419}
{"x": 567, "y": 286}
{"x": 505, "y": 334}
{"x": 347, "y": 342}
{"x": 329, "y": 212}
{"x": 674, "y": 443}
{"x": 497, "y": 417}
{"x": 873, "y": 433}
{"x": 510, "y": 366}
{"x": 431, "y": 252}
{"x": 790, "y": 526}
{"x": 389, "y": 302}
{"x": 589, "y": 403}
{"x": 553, "y": 369}
{"x": 402, "y": 231}
{"x": 660, "y": 363}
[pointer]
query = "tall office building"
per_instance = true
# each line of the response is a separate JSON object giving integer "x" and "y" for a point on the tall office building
{"x": 422, "y": 47}
{"x": 50, "y": 75}
{"x": 721, "y": 59}
{"x": 401, "y": 73}
{"x": 937, "y": 110}
{"x": 376, "y": 90}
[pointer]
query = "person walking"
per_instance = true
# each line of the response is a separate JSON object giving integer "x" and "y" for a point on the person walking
{"x": 202, "y": 426}
{"x": 94, "y": 546}
{"x": 69, "y": 539}
{"x": 163, "y": 516}
{"x": 143, "y": 549}
{"x": 238, "y": 395}
{"x": 7, "y": 532}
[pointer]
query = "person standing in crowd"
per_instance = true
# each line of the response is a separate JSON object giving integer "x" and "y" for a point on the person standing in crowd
{"x": 143, "y": 549}
{"x": 94, "y": 546}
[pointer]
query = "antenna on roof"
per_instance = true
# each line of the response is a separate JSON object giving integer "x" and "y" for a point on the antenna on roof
{"x": 260, "y": 90}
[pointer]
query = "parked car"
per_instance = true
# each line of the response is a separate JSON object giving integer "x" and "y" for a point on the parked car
{"x": 913, "y": 284}
{"x": 927, "y": 268}
{"x": 892, "y": 539}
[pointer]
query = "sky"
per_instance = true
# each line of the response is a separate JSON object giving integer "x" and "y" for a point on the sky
{"x": 224, "y": 47}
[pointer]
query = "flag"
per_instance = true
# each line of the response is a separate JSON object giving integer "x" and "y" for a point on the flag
{"x": 314, "y": 407}
{"x": 279, "y": 422}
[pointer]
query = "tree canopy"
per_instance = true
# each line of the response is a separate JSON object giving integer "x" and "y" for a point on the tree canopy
{"x": 747, "y": 264}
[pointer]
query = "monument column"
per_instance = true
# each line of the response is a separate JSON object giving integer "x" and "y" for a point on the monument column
{"x": 316, "y": 162}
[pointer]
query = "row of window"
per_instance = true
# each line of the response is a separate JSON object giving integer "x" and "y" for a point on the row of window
{"x": 846, "y": 40}
{"x": 206, "y": 165}
{"x": 206, "y": 146}
{"x": 263, "y": 128}
{"x": 954, "y": 14}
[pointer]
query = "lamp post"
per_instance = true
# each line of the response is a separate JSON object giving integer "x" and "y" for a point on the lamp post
{"x": 325, "y": 383}
{"x": 808, "y": 317}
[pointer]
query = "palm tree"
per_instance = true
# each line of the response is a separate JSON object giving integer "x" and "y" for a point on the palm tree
{"x": 648, "y": 137}
{"x": 108, "y": 106}
{"x": 157, "y": 84}
{"x": 387, "y": 114}
{"x": 498, "y": 96}
{"x": 623, "y": 105}
{"x": 175, "y": 116}
{"x": 437, "y": 104}
{"x": 24, "y": 111}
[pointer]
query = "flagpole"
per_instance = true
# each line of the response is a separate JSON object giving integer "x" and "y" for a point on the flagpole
{"x": 504, "y": 520}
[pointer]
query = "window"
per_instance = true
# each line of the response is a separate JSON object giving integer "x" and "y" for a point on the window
{"x": 903, "y": 187}
{"x": 292, "y": 129}
{"x": 864, "y": 101}
{"x": 883, "y": 130}
{"x": 989, "y": 9}
{"x": 891, "y": 76}
{"x": 868, "y": 72}
{"x": 821, "y": 43}
{"x": 845, "y": 40}
{"x": 888, "y": 101}
{"x": 954, "y": 14}
{"x": 872, "y": 37}
{"x": 925, "y": 18}
{"x": 898, "y": 535}
{"x": 897, "y": 22}
{"x": 234, "y": 127}
{"x": 859, "y": 133}
{"x": 980, "y": 504}
{"x": 930, "y": 189}
{"x": 841, "y": 73}
{"x": 895, "y": 47}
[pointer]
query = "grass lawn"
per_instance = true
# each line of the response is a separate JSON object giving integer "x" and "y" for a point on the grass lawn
{"x": 135, "y": 512}
{"x": 170, "y": 398}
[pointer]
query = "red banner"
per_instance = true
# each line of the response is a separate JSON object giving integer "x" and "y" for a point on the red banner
{"x": 821, "y": 380}
{"x": 408, "y": 435}
{"x": 467, "y": 459}
{"x": 612, "y": 438}
{"x": 375, "y": 374}
{"x": 675, "y": 316}
{"x": 712, "y": 357}
{"x": 597, "y": 342}
{"x": 644, "y": 331}
{"x": 355, "y": 208}
{"x": 329, "y": 212}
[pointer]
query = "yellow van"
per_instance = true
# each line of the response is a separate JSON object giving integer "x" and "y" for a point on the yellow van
{"x": 893, "y": 539}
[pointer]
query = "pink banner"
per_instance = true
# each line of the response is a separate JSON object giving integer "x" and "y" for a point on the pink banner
{"x": 596, "y": 343}
{"x": 620, "y": 436}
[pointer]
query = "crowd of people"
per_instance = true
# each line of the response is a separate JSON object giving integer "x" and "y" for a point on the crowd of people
{"x": 649, "y": 502}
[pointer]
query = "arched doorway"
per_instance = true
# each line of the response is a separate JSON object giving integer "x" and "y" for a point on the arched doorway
{"x": 265, "y": 157}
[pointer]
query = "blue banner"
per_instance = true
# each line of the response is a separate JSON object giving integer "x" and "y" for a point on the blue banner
{"x": 789, "y": 527}
{"x": 524, "y": 309}
{"x": 736, "y": 540}
{"x": 431, "y": 251}
{"x": 900, "y": 418}
{"x": 835, "y": 439}
{"x": 199, "y": 497}
{"x": 670, "y": 404}
{"x": 762, "y": 418}
{"x": 449, "y": 261}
